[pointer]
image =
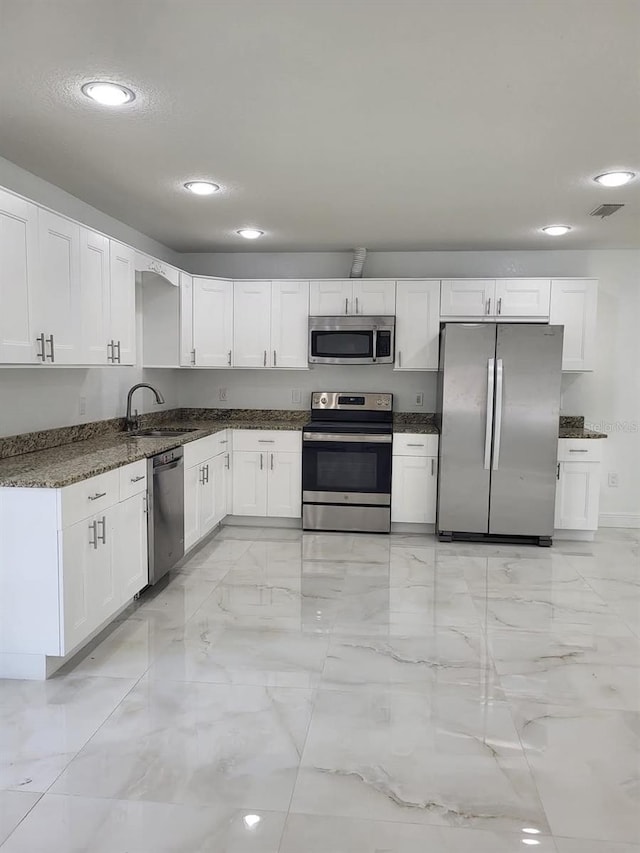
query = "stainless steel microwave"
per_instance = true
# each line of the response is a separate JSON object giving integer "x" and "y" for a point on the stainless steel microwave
{"x": 351, "y": 340}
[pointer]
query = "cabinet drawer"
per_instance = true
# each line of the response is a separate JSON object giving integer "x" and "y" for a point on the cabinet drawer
{"x": 133, "y": 479}
{"x": 267, "y": 440}
{"x": 222, "y": 442}
{"x": 412, "y": 444}
{"x": 89, "y": 497}
{"x": 196, "y": 452}
{"x": 580, "y": 450}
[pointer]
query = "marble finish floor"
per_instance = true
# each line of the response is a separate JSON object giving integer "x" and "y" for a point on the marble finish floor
{"x": 329, "y": 693}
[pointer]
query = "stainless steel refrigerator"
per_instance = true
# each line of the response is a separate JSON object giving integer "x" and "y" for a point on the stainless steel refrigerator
{"x": 499, "y": 406}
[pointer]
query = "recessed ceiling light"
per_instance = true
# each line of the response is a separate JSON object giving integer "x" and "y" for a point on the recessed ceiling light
{"x": 614, "y": 179}
{"x": 108, "y": 94}
{"x": 251, "y": 820}
{"x": 250, "y": 233}
{"x": 202, "y": 187}
{"x": 556, "y": 230}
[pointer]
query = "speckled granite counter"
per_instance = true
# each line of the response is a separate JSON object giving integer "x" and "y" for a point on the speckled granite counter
{"x": 56, "y": 467}
{"x": 576, "y": 432}
{"x": 415, "y": 422}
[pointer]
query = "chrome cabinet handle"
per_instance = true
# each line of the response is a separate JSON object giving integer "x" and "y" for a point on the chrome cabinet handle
{"x": 264, "y": 361}
{"x": 229, "y": 358}
{"x": 119, "y": 358}
{"x": 227, "y": 459}
{"x": 558, "y": 472}
{"x": 225, "y": 441}
{"x": 399, "y": 358}
{"x": 433, "y": 466}
{"x": 572, "y": 450}
{"x": 261, "y": 462}
{"x": 201, "y": 477}
{"x": 272, "y": 461}
{"x": 488, "y": 307}
{"x": 266, "y": 441}
{"x": 103, "y": 537}
{"x": 109, "y": 354}
{"x": 206, "y": 470}
{"x": 414, "y": 445}
{"x": 96, "y": 496}
{"x": 346, "y": 306}
{"x": 193, "y": 356}
{"x": 275, "y": 358}
{"x": 49, "y": 340}
{"x": 94, "y": 541}
{"x": 40, "y": 342}
{"x": 500, "y": 305}
{"x": 137, "y": 479}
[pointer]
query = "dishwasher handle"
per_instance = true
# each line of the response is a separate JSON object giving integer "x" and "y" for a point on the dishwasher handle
{"x": 167, "y": 466}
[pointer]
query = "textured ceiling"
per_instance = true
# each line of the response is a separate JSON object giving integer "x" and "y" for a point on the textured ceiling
{"x": 390, "y": 124}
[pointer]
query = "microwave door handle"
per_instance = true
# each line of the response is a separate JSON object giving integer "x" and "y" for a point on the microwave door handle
{"x": 489, "y": 425}
{"x": 375, "y": 345}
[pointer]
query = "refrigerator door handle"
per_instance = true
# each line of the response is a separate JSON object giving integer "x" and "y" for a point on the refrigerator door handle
{"x": 498, "y": 424}
{"x": 489, "y": 427}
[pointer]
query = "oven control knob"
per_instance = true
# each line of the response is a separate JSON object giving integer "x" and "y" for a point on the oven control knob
{"x": 379, "y": 402}
{"x": 323, "y": 400}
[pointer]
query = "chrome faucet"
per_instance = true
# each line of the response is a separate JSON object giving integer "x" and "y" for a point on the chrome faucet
{"x": 132, "y": 423}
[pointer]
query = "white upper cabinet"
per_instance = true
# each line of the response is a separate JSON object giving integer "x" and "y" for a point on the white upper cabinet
{"x": 352, "y": 296}
{"x": 212, "y": 322}
{"x": 95, "y": 292}
{"x": 330, "y": 298}
{"x": 18, "y": 271}
{"x": 187, "y": 352}
{"x": 469, "y": 297}
{"x": 56, "y": 296}
{"x": 373, "y": 297}
{"x": 252, "y": 323}
{"x": 417, "y": 325}
{"x": 573, "y": 305}
{"x": 289, "y": 324}
{"x": 522, "y": 297}
{"x": 122, "y": 325}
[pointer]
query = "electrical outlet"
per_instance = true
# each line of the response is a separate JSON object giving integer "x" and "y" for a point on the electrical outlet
{"x": 222, "y": 395}
{"x": 82, "y": 406}
{"x": 419, "y": 399}
{"x": 296, "y": 395}
{"x": 613, "y": 480}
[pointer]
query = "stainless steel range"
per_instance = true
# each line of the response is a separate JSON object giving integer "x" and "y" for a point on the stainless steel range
{"x": 346, "y": 462}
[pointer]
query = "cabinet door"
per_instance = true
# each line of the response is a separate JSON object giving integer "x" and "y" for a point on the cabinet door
{"x": 212, "y": 322}
{"x": 330, "y": 298}
{"x": 187, "y": 354}
{"x": 250, "y": 483}
{"x": 219, "y": 477}
{"x": 192, "y": 485}
{"x": 413, "y": 489}
{"x": 251, "y": 323}
{"x": 123, "y": 302}
{"x": 207, "y": 499}
{"x": 289, "y": 324}
{"x": 79, "y": 563}
{"x": 285, "y": 485}
{"x": 573, "y": 305}
{"x": 130, "y": 547}
{"x": 467, "y": 297}
{"x": 105, "y": 594}
{"x": 56, "y": 297}
{"x": 523, "y": 297}
{"x": 577, "y": 496}
{"x": 417, "y": 325}
{"x": 374, "y": 298}
{"x": 18, "y": 273}
{"x": 95, "y": 297}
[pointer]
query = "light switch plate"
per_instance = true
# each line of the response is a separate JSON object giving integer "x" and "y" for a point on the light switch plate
{"x": 296, "y": 396}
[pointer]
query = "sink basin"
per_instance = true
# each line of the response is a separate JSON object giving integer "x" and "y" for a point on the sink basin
{"x": 161, "y": 432}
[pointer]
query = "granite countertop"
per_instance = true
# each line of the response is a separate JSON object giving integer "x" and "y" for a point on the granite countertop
{"x": 66, "y": 464}
{"x": 580, "y": 432}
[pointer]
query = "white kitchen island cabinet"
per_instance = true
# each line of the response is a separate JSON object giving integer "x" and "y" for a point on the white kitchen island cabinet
{"x": 70, "y": 559}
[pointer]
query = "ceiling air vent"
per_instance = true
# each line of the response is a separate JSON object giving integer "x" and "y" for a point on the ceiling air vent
{"x": 605, "y": 210}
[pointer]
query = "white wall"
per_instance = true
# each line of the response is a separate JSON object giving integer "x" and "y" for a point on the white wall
{"x": 609, "y": 397}
{"x": 272, "y": 389}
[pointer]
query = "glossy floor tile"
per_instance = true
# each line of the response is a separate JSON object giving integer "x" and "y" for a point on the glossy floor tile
{"x": 326, "y": 693}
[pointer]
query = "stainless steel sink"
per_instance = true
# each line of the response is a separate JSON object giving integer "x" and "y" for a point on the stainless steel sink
{"x": 161, "y": 432}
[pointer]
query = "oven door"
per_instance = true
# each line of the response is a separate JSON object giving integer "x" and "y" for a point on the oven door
{"x": 349, "y": 469}
{"x": 341, "y": 346}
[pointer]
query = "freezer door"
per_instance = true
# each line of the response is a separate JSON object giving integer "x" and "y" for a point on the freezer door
{"x": 525, "y": 442}
{"x": 466, "y": 382}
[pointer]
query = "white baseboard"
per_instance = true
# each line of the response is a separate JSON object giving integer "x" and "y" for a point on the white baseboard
{"x": 575, "y": 535}
{"x": 619, "y": 519}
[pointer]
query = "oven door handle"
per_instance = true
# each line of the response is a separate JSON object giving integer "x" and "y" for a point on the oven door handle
{"x": 350, "y": 438}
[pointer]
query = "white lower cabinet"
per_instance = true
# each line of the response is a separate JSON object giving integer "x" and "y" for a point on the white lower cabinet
{"x": 267, "y": 473}
{"x": 284, "y": 485}
{"x": 414, "y": 478}
{"x": 578, "y": 484}
{"x": 199, "y": 502}
{"x": 130, "y": 546}
{"x": 249, "y": 483}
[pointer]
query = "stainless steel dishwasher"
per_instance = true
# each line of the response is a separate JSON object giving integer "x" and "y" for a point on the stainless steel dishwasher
{"x": 166, "y": 512}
